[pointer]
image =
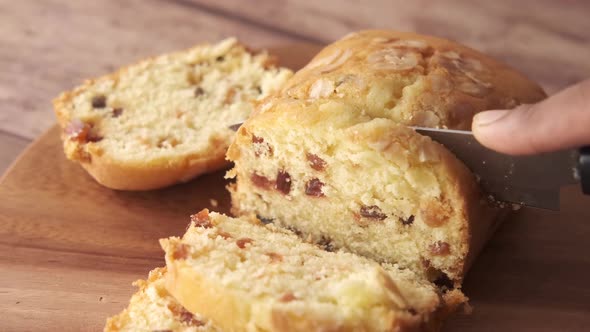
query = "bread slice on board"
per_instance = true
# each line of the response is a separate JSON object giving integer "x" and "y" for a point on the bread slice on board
{"x": 247, "y": 276}
{"x": 165, "y": 120}
{"x": 152, "y": 308}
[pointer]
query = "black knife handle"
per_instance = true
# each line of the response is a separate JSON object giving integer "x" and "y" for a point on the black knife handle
{"x": 584, "y": 169}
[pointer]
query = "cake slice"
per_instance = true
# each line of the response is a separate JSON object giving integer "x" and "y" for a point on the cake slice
{"x": 166, "y": 119}
{"x": 332, "y": 158}
{"x": 247, "y": 276}
{"x": 152, "y": 309}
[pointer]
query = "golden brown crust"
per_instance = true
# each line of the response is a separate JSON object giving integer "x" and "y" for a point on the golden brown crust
{"x": 147, "y": 176}
{"x": 183, "y": 283}
{"x": 152, "y": 308}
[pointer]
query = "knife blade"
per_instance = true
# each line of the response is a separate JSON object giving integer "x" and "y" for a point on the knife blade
{"x": 530, "y": 180}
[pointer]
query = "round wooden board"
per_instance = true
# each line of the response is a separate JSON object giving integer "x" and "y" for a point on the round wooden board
{"x": 70, "y": 248}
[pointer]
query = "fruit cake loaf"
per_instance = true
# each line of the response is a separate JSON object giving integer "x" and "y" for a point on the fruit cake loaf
{"x": 164, "y": 120}
{"x": 332, "y": 158}
{"x": 247, "y": 276}
{"x": 152, "y": 308}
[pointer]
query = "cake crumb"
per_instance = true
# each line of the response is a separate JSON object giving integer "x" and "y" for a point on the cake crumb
{"x": 213, "y": 202}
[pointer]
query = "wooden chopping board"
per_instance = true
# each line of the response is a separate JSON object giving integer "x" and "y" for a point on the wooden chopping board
{"x": 70, "y": 248}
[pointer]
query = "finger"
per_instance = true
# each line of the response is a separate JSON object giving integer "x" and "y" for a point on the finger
{"x": 559, "y": 122}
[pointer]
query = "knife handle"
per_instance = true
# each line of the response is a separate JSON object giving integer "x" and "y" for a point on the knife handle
{"x": 584, "y": 169}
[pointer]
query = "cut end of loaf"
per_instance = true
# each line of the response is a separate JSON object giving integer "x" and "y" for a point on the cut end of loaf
{"x": 406, "y": 207}
{"x": 166, "y": 119}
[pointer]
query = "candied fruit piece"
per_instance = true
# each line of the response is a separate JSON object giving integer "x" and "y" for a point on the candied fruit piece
{"x": 201, "y": 219}
{"x": 241, "y": 242}
{"x": 261, "y": 181}
{"x": 283, "y": 183}
{"x": 316, "y": 162}
{"x": 181, "y": 252}
{"x": 372, "y": 212}
{"x": 313, "y": 187}
{"x": 440, "y": 248}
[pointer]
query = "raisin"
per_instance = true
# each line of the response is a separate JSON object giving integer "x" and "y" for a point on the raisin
{"x": 220, "y": 58}
{"x": 373, "y": 212}
{"x": 235, "y": 127}
{"x": 241, "y": 242}
{"x": 188, "y": 318}
{"x": 434, "y": 213}
{"x": 295, "y": 230}
{"x": 264, "y": 220}
{"x": 316, "y": 162}
{"x": 283, "y": 183}
{"x": 412, "y": 311}
{"x": 199, "y": 91}
{"x": 274, "y": 257}
{"x": 181, "y": 252}
{"x": 261, "y": 147}
{"x": 261, "y": 181}
{"x": 326, "y": 244}
{"x": 99, "y": 101}
{"x": 440, "y": 248}
{"x": 93, "y": 138}
{"x": 259, "y": 90}
{"x": 201, "y": 219}
{"x": 77, "y": 130}
{"x": 287, "y": 297}
{"x": 408, "y": 221}
{"x": 313, "y": 187}
{"x": 117, "y": 112}
{"x": 81, "y": 132}
{"x": 444, "y": 282}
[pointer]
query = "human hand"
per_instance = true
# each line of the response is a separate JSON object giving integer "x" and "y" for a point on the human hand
{"x": 558, "y": 122}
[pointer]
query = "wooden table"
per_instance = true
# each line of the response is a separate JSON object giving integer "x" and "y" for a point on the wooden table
{"x": 47, "y": 46}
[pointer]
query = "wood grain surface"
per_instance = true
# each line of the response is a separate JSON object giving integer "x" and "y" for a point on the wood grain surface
{"x": 10, "y": 147}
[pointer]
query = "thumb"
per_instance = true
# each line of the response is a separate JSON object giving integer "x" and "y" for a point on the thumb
{"x": 558, "y": 122}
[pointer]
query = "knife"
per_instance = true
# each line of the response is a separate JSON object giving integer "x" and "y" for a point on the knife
{"x": 529, "y": 180}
